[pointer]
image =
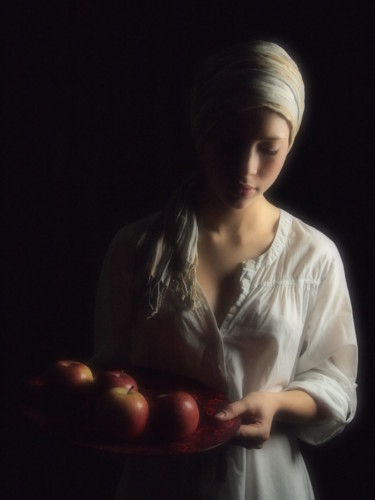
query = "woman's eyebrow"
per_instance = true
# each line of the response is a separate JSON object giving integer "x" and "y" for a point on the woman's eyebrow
{"x": 273, "y": 138}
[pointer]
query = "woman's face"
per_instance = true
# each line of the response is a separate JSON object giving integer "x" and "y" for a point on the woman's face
{"x": 244, "y": 154}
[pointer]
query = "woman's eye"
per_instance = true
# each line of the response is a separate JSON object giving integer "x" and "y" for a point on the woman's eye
{"x": 269, "y": 151}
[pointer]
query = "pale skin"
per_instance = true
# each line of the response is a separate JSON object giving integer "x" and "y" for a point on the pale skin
{"x": 243, "y": 156}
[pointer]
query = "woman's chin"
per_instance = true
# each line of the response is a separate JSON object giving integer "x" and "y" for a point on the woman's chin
{"x": 238, "y": 201}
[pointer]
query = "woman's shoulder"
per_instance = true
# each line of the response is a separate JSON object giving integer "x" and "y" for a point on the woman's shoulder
{"x": 308, "y": 242}
{"x": 123, "y": 246}
{"x": 133, "y": 231}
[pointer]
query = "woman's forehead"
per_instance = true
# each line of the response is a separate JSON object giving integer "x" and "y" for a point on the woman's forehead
{"x": 259, "y": 121}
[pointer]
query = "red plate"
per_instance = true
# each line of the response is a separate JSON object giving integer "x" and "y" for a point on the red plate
{"x": 77, "y": 427}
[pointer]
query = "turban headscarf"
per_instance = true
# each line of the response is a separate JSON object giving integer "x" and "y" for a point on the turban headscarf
{"x": 243, "y": 77}
{"x": 247, "y": 76}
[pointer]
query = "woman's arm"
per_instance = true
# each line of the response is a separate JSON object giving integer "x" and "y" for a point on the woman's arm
{"x": 259, "y": 410}
{"x": 113, "y": 312}
{"x": 321, "y": 397}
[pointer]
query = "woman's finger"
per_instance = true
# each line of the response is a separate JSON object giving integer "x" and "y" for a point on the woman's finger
{"x": 232, "y": 410}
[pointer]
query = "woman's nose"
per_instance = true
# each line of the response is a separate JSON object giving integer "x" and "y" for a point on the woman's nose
{"x": 252, "y": 163}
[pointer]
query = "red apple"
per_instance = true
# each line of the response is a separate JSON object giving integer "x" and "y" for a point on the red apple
{"x": 122, "y": 413}
{"x": 114, "y": 378}
{"x": 68, "y": 374}
{"x": 66, "y": 382}
{"x": 174, "y": 415}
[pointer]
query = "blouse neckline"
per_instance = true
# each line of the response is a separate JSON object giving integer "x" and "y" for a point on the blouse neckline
{"x": 277, "y": 246}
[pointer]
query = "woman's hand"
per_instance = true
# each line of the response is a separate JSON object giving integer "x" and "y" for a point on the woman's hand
{"x": 257, "y": 411}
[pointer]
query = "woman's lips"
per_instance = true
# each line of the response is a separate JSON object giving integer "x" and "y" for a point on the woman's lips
{"x": 243, "y": 190}
{"x": 246, "y": 190}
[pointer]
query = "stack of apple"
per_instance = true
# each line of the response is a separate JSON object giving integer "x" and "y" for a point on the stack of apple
{"x": 117, "y": 408}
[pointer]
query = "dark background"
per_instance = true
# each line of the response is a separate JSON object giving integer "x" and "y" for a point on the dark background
{"x": 96, "y": 106}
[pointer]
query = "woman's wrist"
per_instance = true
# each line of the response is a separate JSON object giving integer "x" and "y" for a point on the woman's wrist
{"x": 296, "y": 407}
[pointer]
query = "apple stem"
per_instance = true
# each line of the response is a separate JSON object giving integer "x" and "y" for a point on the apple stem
{"x": 131, "y": 388}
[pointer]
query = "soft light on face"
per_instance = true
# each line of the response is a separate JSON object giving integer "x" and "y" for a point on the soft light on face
{"x": 244, "y": 154}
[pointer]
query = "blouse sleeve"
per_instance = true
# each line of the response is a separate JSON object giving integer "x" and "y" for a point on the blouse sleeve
{"x": 113, "y": 304}
{"x": 327, "y": 366}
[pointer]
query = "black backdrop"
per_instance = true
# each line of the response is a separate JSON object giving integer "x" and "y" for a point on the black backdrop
{"x": 96, "y": 102}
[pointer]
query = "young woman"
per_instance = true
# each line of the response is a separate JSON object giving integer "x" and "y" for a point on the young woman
{"x": 230, "y": 290}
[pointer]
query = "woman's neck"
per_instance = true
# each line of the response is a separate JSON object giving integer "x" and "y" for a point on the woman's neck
{"x": 215, "y": 217}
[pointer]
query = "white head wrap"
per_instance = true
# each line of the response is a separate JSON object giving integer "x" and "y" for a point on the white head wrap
{"x": 243, "y": 77}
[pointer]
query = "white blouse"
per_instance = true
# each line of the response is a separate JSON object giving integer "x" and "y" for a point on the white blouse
{"x": 290, "y": 328}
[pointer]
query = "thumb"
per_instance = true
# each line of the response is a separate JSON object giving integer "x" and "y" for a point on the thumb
{"x": 231, "y": 411}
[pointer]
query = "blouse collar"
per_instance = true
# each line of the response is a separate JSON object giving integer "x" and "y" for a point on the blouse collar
{"x": 250, "y": 267}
